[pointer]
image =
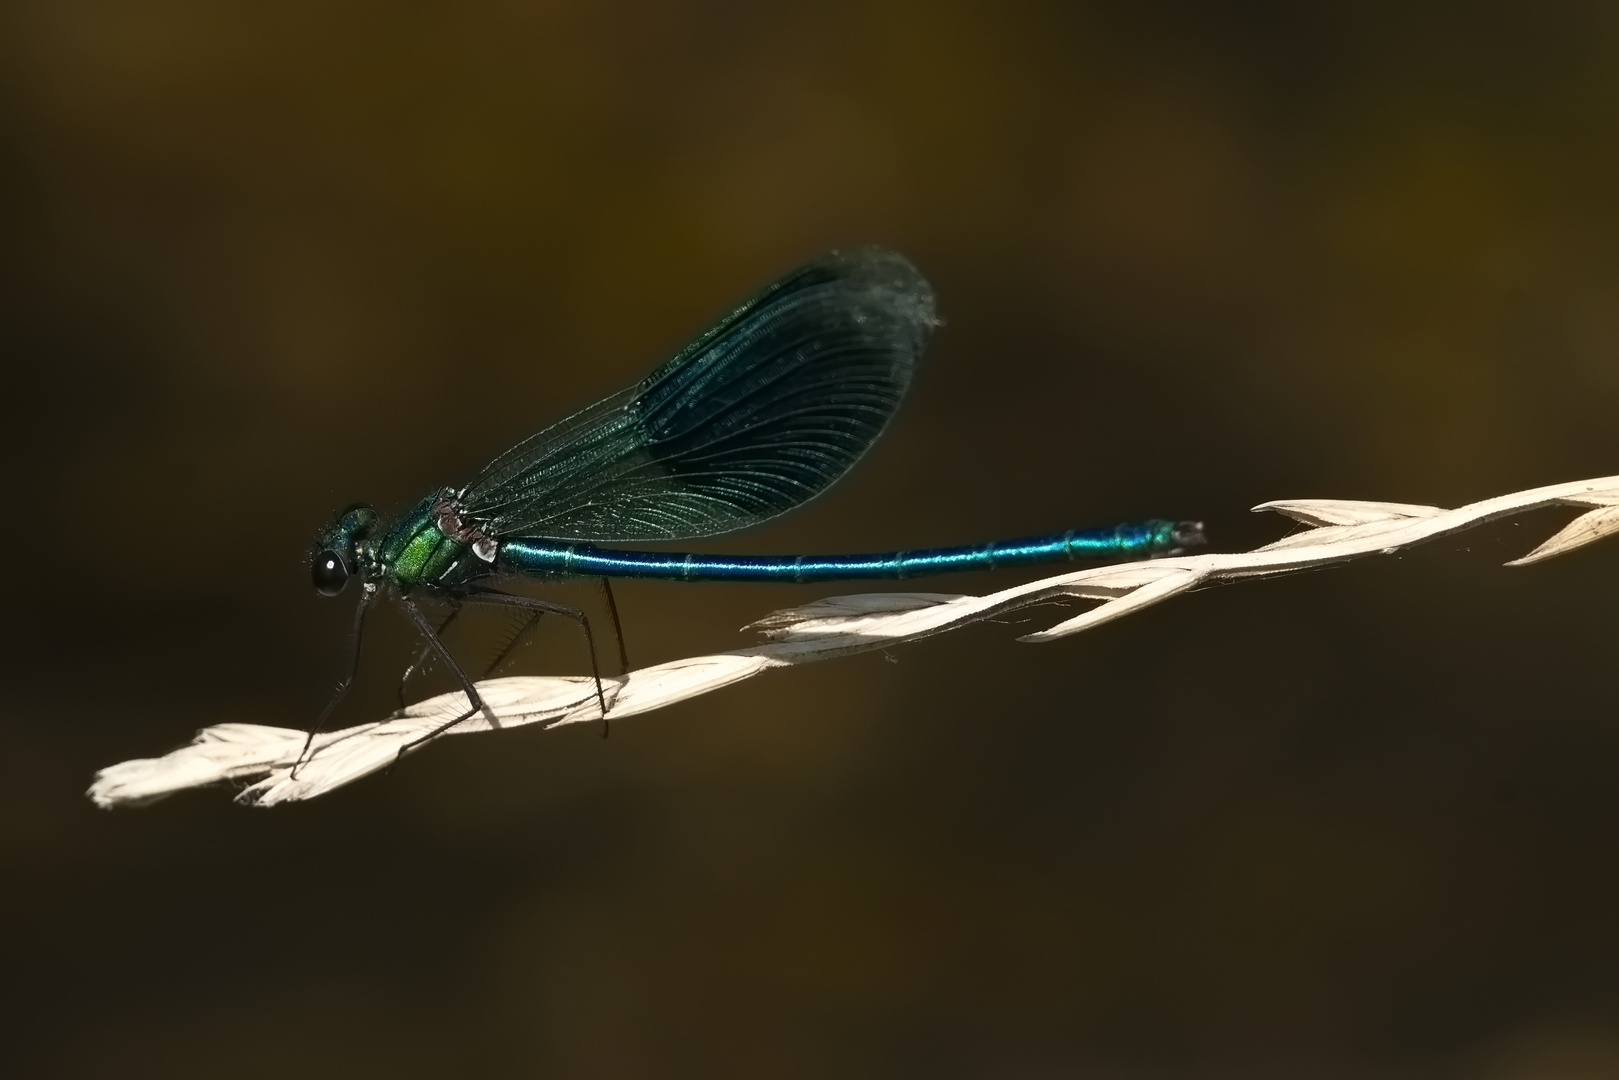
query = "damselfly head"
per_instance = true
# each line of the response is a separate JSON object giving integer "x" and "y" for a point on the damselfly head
{"x": 336, "y": 555}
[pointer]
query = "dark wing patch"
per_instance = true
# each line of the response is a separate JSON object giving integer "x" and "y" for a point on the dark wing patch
{"x": 758, "y": 415}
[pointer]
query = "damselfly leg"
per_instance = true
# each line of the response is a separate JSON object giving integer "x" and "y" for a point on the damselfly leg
{"x": 421, "y": 657}
{"x": 514, "y": 638}
{"x": 494, "y": 597}
{"x": 355, "y": 638}
{"x": 618, "y": 632}
{"x": 475, "y": 702}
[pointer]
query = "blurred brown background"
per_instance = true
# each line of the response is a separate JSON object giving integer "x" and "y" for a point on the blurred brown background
{"x": 260, "y": 260}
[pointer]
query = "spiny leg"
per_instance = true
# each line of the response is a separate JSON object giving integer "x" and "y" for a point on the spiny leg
{"x": 474, "y": 701}
{"x": 355, "y": 636}
{"x": 495, "y": 596}
{"x": 618, "y": 632}
{"x": 421, "y": 657}
{"x": 436, "y": 732}
{"x": 532, "y": 617}
{"x": 523, "y": 628}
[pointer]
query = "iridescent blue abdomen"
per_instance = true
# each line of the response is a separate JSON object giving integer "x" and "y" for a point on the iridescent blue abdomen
{"x": 554, "y": 558}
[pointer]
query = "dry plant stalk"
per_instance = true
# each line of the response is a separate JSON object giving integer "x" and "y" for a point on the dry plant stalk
{"x": 263, "y": 758}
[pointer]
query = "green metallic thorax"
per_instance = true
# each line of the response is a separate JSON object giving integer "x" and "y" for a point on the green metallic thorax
{"x": 416, "y": 553}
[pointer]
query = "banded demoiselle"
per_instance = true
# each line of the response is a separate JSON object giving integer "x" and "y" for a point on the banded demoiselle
{"x": 760, "y": 414}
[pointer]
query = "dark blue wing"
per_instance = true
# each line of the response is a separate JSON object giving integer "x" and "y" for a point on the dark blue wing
{"x": 755, "y": 417}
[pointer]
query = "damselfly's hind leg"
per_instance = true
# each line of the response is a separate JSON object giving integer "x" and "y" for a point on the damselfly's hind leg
{"x": 480, "y": 595}
{"x": 495, "y": 597}
{"x": 523, "y": 627}
{"x": 618, "y": 632}
{"x": 455, "y": 610}
{"x": 421, "y": 657}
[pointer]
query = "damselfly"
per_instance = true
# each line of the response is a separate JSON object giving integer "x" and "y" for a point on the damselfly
{"x": 760, "y": 414}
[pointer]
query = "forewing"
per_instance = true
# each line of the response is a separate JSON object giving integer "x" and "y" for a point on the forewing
{"x": 755, "y": 417}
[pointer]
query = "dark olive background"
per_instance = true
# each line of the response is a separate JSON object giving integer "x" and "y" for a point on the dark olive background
{"x": 260, "y": 260}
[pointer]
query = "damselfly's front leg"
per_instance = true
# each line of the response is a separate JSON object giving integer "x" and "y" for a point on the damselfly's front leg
{"x": 355, "y": 638}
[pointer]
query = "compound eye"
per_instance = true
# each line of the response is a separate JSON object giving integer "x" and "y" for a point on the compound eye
{"x": 329, "y": 573}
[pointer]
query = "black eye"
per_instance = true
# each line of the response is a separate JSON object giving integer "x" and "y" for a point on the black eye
{"x": 329, "y": 573}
